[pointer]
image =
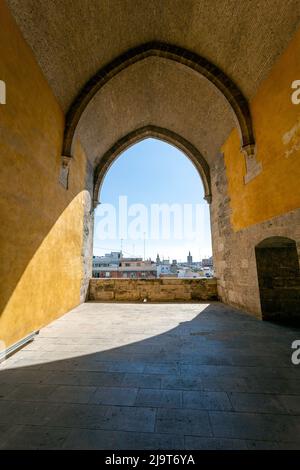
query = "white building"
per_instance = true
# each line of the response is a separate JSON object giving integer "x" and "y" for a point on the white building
{"x": 186, "y": 272}
{"x": 114, "y": 265}
{"x": 109, "y": 260}
{"x": 163, "y": 268}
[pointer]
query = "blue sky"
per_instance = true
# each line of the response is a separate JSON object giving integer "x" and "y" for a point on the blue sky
{"x": 153, "y": 172}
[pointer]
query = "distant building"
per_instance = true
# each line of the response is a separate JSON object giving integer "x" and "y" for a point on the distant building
{"x": 135, "y": 262}
{"x": 189, "y": 259}
{"x": 108, "y": 260}
{"x": 114, "y": 266}
{"x": 208, "y": 267}
{"x": 164, "y": 268}
{"x": 186, "y": 272}
{"x": 174, "y": 267}
{"x": 207, "y": 262}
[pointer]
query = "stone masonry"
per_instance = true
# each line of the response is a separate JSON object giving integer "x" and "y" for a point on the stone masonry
{"x": 153, "y": 290}
{"x": 234, "y": 251}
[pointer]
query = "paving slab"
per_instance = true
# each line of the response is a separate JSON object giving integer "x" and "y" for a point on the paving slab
{"x": 153, "y": 376}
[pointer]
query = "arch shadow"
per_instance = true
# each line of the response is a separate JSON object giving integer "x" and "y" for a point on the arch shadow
{"x": 103, "y": 163}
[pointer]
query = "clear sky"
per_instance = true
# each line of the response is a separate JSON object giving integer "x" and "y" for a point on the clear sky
{"x": 153, "y": 172}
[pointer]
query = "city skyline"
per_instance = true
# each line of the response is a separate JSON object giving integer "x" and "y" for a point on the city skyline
{"x": 162, "y": 256}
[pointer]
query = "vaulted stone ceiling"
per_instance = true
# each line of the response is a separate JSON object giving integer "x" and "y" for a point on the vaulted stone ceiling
{"x": 72, "y": 40}
{"x": 160, "y": 92}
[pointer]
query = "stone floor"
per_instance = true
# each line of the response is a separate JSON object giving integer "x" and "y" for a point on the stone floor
{"x": 153, "y": 376}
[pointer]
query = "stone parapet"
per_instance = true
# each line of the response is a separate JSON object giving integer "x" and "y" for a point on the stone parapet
{"x": 154, "y": 290}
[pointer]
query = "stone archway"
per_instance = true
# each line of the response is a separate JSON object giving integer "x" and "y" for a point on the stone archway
{"x": 103, "y": 163}
{"x": 278, "y": 278}
{"x": 204, "y": 67}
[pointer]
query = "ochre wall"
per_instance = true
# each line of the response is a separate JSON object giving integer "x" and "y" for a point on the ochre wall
{"x": 41, "y": 223}
{"x": 41, "y": 231}
{"x": 276, "y": 189}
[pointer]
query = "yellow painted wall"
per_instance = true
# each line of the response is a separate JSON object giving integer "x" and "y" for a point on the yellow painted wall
{"x": 277, "y": 130}
{"x": 41, "y": 223}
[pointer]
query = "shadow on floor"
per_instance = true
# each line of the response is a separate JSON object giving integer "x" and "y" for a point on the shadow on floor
{"x": 153, "y": 376}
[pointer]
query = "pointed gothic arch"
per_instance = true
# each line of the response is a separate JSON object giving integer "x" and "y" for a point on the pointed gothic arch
{"x": 104, "y": 162}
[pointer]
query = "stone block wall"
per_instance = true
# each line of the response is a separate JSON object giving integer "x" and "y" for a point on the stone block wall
{"x": 234, "y": 250}
{"x": 154, "y": 290}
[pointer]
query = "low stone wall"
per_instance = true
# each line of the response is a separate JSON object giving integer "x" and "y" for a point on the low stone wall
{"x": 154, "y": 290}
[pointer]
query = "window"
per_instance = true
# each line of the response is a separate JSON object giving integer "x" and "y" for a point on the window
{"x": 107, "y": 274}
{"x": 168, "y": 219}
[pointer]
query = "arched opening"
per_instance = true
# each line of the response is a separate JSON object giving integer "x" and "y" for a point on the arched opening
{"x": 105, "y": 161}
{"x": 165, "y": 228}
{"x": 279, "y": 279}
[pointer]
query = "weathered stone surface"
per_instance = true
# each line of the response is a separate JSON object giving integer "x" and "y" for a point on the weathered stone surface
{"x": 87, "y": 237}
{"x": 153, "y": 290}
{"x": 234, "y": 251}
